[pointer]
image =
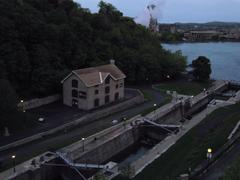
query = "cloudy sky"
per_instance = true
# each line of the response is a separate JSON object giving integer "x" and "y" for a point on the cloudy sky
{"x": 177, "y": 10}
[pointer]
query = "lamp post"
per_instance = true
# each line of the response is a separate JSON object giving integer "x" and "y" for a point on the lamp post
{"x": 21, "y": 105}
{"x": 155, "y": 106}
{"x": 83, "y": 139}
{"x": 124, "y": 122}
{"x": 14, "y": 163}
{"x": 209, "y": 155}
{"x": 204, "y": 90}
{"x": 191, "y": 100}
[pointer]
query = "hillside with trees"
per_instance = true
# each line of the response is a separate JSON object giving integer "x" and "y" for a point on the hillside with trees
{"x": 41, "y": 41}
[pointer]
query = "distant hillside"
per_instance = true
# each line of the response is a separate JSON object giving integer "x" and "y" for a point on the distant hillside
{"x": 42, "y": 40}
{"x": 215, "y": 23}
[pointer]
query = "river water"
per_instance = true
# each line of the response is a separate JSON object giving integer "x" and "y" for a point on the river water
{"x": 224, "y": 56}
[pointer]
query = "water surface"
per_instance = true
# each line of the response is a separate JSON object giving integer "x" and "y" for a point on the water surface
{"x": 225, "y": 57}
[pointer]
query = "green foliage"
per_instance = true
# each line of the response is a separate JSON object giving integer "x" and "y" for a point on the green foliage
{"x": 8, "y": 97}
{"x": 127, "y": 171}
{"x": 233, "y": 173}
{"x": 171, "y": 37}
{"x": 99, "y": 176}
{"x": 41, "y": 41}
{"x": 186, "y": 88}
{"x": 201, "y": 68}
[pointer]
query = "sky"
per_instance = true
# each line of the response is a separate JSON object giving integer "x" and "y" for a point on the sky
{"x": 171, "y": 11}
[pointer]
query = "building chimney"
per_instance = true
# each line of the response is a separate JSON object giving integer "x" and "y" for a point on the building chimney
{"x": 112, "y": 61}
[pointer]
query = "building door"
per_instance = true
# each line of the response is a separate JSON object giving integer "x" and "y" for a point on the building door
{"x": 116, "y": 96}
{"x": 107, "y": 99}
{"x": 96, "y": 102}
{"x": 74, "y": 102}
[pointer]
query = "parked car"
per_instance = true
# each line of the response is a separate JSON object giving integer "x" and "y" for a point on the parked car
{"x": 41, "y": 119}
{"x": 114, "y": 121}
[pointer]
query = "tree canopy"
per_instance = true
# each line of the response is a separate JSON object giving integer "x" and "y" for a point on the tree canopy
{"x": 201, "y": 68}
{"x": 41, "y": 41}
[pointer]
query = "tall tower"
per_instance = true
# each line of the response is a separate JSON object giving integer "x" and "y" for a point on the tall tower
{"x": 153, "y": 24}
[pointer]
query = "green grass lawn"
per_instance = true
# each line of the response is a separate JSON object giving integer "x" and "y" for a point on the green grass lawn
{"x": 187, "y": 88}
{"x": 167, "y": 99}
{"x": 148, "y": 96}
{"x": 190, "y": 150}
{"x": 233, "y": 172}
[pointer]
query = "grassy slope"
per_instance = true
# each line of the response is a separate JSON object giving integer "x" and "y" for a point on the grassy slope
{"x": 233, "y": 172}
{"x": 190, "y": 150}
{"x": 187, "y": 88}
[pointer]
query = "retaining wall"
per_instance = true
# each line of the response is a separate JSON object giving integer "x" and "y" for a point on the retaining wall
{"x": 110, "y": 148}
{"x": 37, "y": 102}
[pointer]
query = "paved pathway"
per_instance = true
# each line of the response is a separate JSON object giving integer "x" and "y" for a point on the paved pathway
{"x": 61, "y": 139}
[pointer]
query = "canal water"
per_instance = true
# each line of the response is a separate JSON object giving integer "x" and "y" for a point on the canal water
{"x": 224, "y": 56}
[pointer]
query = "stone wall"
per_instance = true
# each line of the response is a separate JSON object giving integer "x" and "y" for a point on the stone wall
{"x": 201, "y": 103}
{"x": 88, "y": 102}
{"x": 168, "y": 114}
{"x": 172, "y": 117}
{"x": 37, "y": 102}
{"x": 109, "y": 149}
{"x": 117, "y": 107}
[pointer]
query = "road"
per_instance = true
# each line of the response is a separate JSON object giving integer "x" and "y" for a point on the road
{"x": 62, "y": 139}
{"x": 55, "y": 114}
{"x": 221, "y": 165}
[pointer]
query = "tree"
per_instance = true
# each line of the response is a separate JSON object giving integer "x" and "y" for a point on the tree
{"x": 42, "y": 41}
{"x": 99, "y": 176}
{"x": 201, "y": 68}
{"x": 8, "y": 99}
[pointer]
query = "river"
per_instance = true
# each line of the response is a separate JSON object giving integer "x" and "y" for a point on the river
{"x": 224, "y": 56}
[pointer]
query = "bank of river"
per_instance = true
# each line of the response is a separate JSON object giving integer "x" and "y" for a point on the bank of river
{"x": 224, "y": 56}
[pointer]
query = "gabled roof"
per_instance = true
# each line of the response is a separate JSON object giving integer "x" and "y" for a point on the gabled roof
{"x": 96, "y": 75}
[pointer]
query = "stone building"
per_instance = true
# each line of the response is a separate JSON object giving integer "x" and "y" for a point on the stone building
{"x": 201, "y": 35}
{"x": 92, "y": 87}
{"x": 170, "y": 28}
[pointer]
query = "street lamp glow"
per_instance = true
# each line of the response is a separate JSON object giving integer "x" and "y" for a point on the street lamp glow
{"x": 21, "y": 101}
{"x": 14, "y": 163}
{"x": 83, "y": 146}
{"x": 155, "y": 105}
{"x": 209, "y": 150}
